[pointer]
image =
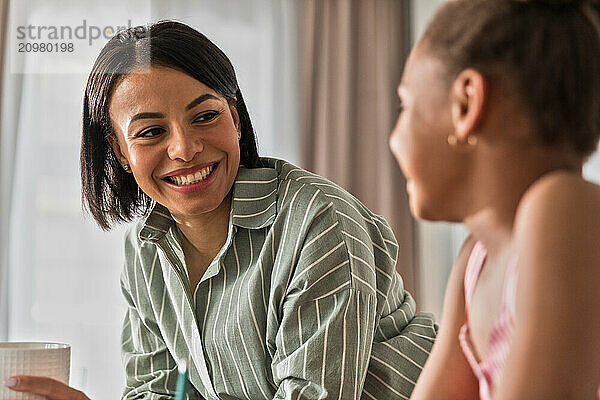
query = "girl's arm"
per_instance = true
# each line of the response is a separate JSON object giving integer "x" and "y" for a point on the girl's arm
{"x": 554, "y": 353}
{"x": 447, "y": 374}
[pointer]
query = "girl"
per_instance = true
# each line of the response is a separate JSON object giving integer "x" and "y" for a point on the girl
{"x": 500, "y": 108}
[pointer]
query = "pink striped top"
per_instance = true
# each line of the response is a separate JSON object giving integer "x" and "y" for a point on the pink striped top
{"x": 489, "y": 370}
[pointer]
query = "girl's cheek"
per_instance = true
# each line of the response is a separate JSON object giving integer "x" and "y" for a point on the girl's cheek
{"x": 395, "y": 148}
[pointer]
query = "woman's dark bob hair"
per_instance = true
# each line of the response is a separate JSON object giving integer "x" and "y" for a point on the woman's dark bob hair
{"x": 108, "y": 192}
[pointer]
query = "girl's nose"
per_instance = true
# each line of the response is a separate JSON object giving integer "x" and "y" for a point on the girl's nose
{"x": 183, "y": 144}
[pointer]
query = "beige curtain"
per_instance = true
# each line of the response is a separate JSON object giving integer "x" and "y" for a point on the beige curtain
{"x": 352, "y": 57}
{"x": 3, "y": 29}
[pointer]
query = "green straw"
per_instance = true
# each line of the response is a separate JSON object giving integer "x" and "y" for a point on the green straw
{"x": 182, "y": 380}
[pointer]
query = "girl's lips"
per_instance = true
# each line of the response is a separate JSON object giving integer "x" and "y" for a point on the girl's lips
{"x": 196, "y": 186}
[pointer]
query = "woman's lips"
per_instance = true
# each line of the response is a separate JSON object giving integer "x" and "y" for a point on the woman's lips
{"x": 189, "y": 171}
{"x": 187, "y": 179}
{"x": 194, "y": 187}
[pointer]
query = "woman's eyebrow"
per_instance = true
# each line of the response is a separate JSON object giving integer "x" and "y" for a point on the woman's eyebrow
{"x": 146, "y": 115}
{"x": 194, "y": 103}
{"x": 199, "y": 100}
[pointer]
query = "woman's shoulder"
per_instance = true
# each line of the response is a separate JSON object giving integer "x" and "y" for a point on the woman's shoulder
{"x": 310, "y": 187}
{"x": 300, "y": 190}
{"x": 292, "y": 176}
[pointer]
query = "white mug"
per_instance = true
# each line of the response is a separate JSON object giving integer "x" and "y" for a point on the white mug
{"x": 52, "y": 360}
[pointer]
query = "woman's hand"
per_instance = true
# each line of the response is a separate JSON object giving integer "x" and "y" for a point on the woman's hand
{"x": 52, "y": 389}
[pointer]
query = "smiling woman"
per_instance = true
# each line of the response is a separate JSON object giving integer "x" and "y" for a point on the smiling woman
{"x": 122, "y": 74}
{"x": 161, "y": 147}
{"x": 275, "y": 282}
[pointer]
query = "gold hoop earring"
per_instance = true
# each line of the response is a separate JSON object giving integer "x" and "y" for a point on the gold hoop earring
{"x": 452, "y": 140}
{"x": 126, "y": 167}
{"x": 472, "y": 140}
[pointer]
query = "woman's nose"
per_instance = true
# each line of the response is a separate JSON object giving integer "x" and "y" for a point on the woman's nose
{"x": 183, "y": 144}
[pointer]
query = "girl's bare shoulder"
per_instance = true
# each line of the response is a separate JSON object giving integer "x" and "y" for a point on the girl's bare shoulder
{"x": 559, "y": 215}
{"x": 563, "y": 196}
{"x": 556, "y": 238}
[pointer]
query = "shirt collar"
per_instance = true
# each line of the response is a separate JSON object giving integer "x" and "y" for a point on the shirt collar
{"x": 254, "y": 203}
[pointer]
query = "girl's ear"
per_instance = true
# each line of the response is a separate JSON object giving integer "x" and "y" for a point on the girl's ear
{"x": 468, "y": 97}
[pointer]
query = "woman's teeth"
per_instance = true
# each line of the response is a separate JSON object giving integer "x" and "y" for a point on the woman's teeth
{"x": 192, "y": 178}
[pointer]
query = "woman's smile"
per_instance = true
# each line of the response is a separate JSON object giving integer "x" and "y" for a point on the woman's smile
{"x": 180, "y": 139}
{"x": 192, "y": 179}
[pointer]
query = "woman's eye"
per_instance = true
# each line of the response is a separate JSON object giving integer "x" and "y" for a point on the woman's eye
{"x": 150, "y": 133}
{"x": 207, "y": 116}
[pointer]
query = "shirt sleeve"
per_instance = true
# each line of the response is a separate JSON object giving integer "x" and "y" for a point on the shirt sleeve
{"x": 402, "y": 343}
{"x": 327, "y": 325}
{"x": 349, "y": 329}
{"x": 151, "y": 372}
{"x": 324, "y": 347}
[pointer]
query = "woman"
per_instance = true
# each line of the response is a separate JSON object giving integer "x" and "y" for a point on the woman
{"x": 509, "y": 112}
{"x": 274, "y": 281}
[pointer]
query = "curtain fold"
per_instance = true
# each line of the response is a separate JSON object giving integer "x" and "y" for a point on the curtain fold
{"x": 352, "y": 57}
{"x": 3, "y": 197}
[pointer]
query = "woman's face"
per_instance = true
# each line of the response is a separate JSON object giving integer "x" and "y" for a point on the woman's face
{"x": 179, "y": 137}
{"x": 419, "y": 141}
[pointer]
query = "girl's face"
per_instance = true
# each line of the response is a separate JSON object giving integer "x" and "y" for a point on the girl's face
{"x": 179, "y": 137}
{"x": 419, "y": 141}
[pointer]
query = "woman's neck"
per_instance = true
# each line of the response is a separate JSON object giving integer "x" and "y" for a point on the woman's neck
{"x": 203, "y": 235}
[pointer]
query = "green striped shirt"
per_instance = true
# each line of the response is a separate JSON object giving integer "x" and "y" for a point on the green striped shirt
{"x": 302, "y": 302}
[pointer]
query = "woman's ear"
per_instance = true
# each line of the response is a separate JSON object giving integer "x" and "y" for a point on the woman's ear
{"x": 116, "y": 147}
{"x": 468, "y": 97}
{"x": 236, "y": 117}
